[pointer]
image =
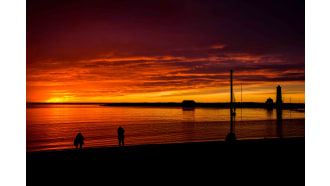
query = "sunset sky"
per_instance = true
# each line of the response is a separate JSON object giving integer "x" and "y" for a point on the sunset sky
{"x": 164, "y": 51}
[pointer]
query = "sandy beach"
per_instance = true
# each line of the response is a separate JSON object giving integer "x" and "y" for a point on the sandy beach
{"x": 249, "y": 162}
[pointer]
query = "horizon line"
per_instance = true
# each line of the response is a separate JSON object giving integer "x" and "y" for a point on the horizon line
{"x": 139, "y": 102}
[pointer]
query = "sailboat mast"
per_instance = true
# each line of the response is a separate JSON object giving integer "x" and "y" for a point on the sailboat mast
{"x": 231, "y": 89}
{"x": 231, "y": 136}
{"x": 241, "y": 102}
{"x": 241, "y": 93}
{"x": 231, "y": 101}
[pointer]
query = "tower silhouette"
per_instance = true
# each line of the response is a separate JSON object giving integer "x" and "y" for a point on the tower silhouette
{"x": 279, "y": 96}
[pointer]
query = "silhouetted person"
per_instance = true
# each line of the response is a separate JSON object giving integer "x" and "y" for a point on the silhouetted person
{"x": 121, "y": 135}
{"x": 79, "y": 140}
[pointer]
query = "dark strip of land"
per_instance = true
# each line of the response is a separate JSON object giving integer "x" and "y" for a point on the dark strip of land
{"x": 215, "y": 105}
{"x": 174, "y": 104}
{"x": 248, "y": 162}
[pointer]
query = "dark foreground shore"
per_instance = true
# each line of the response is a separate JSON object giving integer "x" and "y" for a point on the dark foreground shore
{"x": 246, "y": 162}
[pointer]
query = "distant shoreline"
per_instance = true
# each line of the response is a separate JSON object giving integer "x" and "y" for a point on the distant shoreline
{"x": 195, "y": 105}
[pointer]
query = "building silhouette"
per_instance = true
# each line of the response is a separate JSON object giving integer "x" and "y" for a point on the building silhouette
{"x": 188, "y": 104}
{"x": 269, "y": 101}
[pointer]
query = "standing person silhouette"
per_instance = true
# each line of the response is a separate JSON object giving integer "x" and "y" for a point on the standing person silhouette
{"x": 120, "y": 132}
{"x": 79, "y": 140}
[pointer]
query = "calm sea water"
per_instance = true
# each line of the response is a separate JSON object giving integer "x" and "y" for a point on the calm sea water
{"x": 54, "y": 126}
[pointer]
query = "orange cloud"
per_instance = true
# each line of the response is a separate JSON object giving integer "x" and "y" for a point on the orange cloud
{"x": 150, "y": 78}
